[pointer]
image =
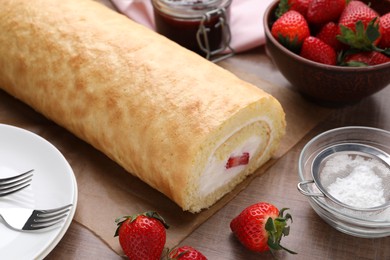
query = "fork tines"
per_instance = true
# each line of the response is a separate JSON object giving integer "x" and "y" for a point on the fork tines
{"x": 13, "y": 184}
{"x": 47, "y": 218}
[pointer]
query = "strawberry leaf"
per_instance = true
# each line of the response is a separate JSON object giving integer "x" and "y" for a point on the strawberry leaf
{"x": 119, "y": 221}
{"x": 270, "y": 226}
{"x": 291, "y": 44}
{"x": 287, "y": 216}
{"x": 282, "y": 8}
{"x": 276, "y": 229}
{"x": 154, "y": 214}
{"x": 343, "y": 54}
{"x": 361, "y": 38}
{"x": 151, "y": 214}
{"x": 347, "y": 35}
{"x": 286, "y": 231}
{"x": 356, "y": 64}
{"x": 372, "y": 31}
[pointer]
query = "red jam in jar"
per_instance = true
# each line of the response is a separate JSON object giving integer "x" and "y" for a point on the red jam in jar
{"x": 199, "y": 25}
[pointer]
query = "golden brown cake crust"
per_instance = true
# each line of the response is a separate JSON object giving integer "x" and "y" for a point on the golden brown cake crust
{"x": 141, "y": 99}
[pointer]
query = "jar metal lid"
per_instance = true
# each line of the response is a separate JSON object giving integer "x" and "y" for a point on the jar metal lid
{"x": 189, "y": 9}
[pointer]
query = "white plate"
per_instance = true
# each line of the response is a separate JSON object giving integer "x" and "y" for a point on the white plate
{"x": 53, "y": 185}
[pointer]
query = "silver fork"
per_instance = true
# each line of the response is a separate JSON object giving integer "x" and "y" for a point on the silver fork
{"x": 16, "y": 183}
{"x": 32, "y": 219}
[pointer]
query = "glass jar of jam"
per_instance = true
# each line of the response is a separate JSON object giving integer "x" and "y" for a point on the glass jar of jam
{"x": 201, "y": 26}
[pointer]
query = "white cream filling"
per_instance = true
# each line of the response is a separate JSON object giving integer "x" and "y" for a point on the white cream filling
{"x": 215, "y": 174}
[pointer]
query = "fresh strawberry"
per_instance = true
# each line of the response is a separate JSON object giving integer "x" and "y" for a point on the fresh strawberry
{"x": 360, "y": 25}
{"x": 260, "y": 227}
{"x": 237, "y": 160}
{"x": 186, "y": 253}
{"x": 297, "y": 5}
{"x": 366, "y": 58}
{"x": 328, "y": 34}
{"x": 316, "y": 50}
{"x": 290, "y": 30}
{"x": 323, "y": 11}
{"x": 142, "y": 236}
{"x": 301, "y": 6}
{"x": 355, "y": 11}
{"x": 385, "y": 31}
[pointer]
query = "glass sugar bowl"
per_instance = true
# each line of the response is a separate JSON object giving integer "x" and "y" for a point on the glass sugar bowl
{"x": 345, "y": 174}
{"x": 201, "y": 26}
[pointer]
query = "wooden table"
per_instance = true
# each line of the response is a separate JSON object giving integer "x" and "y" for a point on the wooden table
{"x": 310, "y": 236}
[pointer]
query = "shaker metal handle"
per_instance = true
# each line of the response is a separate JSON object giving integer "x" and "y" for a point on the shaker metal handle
{"x": 305, "y": 192}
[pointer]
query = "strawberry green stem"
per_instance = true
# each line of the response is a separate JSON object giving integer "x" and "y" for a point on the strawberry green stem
{"x": 278, "y": 228}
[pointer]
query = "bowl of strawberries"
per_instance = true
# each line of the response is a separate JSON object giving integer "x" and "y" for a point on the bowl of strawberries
{"x": 332, "y": 51}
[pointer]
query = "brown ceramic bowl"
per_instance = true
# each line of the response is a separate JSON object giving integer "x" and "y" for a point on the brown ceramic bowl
{"x": 326, "y": 83}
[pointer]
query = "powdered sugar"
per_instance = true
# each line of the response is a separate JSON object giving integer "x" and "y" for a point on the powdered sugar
{"x": 356, "y": 181}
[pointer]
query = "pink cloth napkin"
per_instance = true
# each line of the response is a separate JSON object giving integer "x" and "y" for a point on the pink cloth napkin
{"x": 246, "y": 20}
